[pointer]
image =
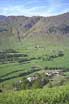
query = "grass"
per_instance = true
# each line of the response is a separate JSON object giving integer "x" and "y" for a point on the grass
{"x": 54, "y": 95}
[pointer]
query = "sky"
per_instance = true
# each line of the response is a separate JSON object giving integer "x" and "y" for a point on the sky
{"x": 33, "y": 7}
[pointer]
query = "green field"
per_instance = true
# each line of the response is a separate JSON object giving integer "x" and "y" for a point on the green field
{"x": 38, "y": 53}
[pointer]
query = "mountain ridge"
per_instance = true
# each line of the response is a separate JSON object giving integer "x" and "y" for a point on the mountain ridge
{"x": 33, "y": 28}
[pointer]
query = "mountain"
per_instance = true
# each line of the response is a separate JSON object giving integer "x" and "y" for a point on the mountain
{"x": 14, "y": 29}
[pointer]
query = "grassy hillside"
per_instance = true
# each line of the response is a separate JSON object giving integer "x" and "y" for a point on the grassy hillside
{"x": 55, "y": 95}
{"x": 43, "y": 40}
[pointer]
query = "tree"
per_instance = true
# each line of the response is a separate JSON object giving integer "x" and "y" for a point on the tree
{"x": 25, "y": 84}
{"x": 60, "y": 53}
{"x": 37, "y": 84}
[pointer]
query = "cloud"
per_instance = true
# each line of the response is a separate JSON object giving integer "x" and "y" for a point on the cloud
{"x": 36, "y": 7}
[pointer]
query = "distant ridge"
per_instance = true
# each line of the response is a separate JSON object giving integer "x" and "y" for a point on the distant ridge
{"x": 22, "y": 27}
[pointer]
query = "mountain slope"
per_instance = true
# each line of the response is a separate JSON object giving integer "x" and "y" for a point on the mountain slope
{"x": 14, "y": 29}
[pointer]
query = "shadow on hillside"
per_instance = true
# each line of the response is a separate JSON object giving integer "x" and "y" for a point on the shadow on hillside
{"x": 10, "y": 73}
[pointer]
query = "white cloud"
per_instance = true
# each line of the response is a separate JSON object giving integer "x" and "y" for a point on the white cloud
{"x": 54, "y": 7}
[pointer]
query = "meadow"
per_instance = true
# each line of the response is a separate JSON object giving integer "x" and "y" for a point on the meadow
{"x": 40, "y": 54}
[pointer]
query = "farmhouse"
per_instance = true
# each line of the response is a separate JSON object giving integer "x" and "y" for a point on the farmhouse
{"x": 53, "y": 73}
{"x": 30, "y": 79}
